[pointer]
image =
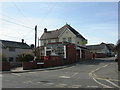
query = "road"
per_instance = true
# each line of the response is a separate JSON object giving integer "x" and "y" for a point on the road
{"x": 86, "y": 74}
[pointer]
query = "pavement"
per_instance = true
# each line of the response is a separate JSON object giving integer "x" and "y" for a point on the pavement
{"x": 20, "y": 69}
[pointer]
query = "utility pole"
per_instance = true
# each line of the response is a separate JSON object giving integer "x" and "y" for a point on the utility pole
{"x": 35, "y": 39}
{"x": 38, "y": 41}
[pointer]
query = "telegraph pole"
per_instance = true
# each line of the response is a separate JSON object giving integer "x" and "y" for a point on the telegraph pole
{"x": 35, "y": 39}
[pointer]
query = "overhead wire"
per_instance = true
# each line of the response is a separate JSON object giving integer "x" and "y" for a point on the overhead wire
{"x": 15, "y": 23}
{"x": 16, "y": 6}
{"x": 4, "y": 15}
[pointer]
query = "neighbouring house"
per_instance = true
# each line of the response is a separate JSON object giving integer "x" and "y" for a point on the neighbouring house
{"x": 64, "y": 34}
{"x": 102, "y": 49}
{"x": 11, "y": 49}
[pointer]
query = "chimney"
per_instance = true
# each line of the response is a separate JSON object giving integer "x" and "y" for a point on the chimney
{"x": 22, "y": 40}
{"x": 45, "y": 30}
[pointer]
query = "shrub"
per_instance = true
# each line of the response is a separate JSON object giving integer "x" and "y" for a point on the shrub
{"x": 25, "y": 57}
{"x": 4, "y": 58}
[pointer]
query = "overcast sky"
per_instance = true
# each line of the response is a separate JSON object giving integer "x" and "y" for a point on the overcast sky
{"x": 96, "y": 21}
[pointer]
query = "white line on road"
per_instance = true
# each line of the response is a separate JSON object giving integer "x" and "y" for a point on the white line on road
{"x": 16, "y": 74}
{"x": 64, "y": 77}
{"x": 113, "y": 84}
{"x": 50, "y": 83}
{"x": 105, "y": 86}
{"x": 61, "y": 85}
{"x": 74, "y": 74}
{"x": 31, "y": 72}
{"x": 28, "y": 82}
{"x": 75, "y": 86}
{"x": 92, "y": 86}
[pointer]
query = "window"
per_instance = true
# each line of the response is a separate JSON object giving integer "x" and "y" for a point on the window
{"x": 64, "y": 39}
{"x": 45, "y": 42}
{"x": 11, "y": 59}
{"x": 49, "y": 41}
{"x": 69, "y": 39}
{"x": 57, "y": 40}
{"x": 12, "y": 49}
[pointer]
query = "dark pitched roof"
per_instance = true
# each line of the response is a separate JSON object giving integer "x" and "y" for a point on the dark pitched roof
{"x": 14, "y": 44}
{"x": 101, "y": 46}
{"x": 56, "y": 33}
{"x": 96, "y": 47}
{"x": 110, "y": 46}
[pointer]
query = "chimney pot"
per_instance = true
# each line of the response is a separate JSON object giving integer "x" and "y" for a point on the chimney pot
{"x": 22, "y": 40}
{"x": 45, "y": 30}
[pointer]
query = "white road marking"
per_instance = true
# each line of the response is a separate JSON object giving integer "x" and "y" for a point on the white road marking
{"x": 50, "y": 83}
{"x": 61, "y": 85}
{"x": 91, "y": 74}
{"x": 75, "y": 86}
{"x": 31, "y": 72}
{"x": 64, "y": 77}
{"x": 27, "y": 82}
{"x": 74, "y": 74}
{"x": 16, "y": 74}
{"x": 92, "y": 86}
{"x": 113, "y": 84}
{"x": 105, "y": 86}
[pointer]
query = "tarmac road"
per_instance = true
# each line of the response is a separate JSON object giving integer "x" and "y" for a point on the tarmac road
{"x": 99, "y": 73}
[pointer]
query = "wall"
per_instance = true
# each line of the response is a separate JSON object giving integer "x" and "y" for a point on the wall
{"x": 88, "y": 54}
{"x": 100, "y": 55}
{"x": 46, "y": 41}
{"x": 67, "y": 33}
{"x": 15, "y": 53}
{"x": 78, "y": 40}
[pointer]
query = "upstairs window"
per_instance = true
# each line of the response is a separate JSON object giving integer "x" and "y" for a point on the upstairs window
{"x": 57, "y": 40}
{"x": 69, "y": 39}
{"x": 49, "y": 41}
{"x": 64, "y": 39}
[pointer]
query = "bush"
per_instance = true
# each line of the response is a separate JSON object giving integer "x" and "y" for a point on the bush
{"x": 4, "y": 59}
{"x": 25, "y": 57}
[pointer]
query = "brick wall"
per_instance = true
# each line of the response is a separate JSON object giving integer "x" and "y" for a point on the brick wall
{"x": 6, "y": 66}
{"x": 71, "y": 54}
{"x": 88, "y": 55}
{"x": 100, "y": 55}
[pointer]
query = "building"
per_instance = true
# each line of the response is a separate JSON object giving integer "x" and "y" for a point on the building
{"x": 103, "y": 48}
{"x": 64, "y": 34}
{"x": 65, "y": 42}
{"x": 11, "y": 49}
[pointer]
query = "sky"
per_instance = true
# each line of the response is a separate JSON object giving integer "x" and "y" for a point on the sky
{"x": 96, "y": 21}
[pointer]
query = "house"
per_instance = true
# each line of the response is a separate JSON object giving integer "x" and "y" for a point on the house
{"x": 57, "y": 42}
{"x": 103, "y": 48}
{"x": 11, "y": 49}
{"x": 64, "y": 34}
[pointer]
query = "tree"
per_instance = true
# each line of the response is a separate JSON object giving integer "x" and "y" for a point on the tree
{"x": 32, "y": 46}
{"x": 25, "y": 57}
{"x": 4, "y": 58}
